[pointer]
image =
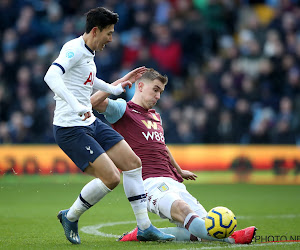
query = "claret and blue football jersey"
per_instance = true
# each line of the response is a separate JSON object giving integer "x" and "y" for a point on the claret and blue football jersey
{"x": 143, "y": 128}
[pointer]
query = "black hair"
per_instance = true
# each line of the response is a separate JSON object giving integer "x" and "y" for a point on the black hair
{"x": 100, "y": 17}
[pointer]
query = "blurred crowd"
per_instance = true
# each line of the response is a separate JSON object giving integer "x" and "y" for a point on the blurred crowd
{"x": 233, "y": 66}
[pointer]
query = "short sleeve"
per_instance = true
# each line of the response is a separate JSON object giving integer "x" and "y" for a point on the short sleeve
{"x": 67, "y": 58}
{"x": 115, "y": 110}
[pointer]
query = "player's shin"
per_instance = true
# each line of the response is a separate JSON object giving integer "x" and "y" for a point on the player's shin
{"x": 135, "y": 192}
{"x": 196, "y": 226}
{"x": 91, "y": 193}
{"x": 180, "y": 233}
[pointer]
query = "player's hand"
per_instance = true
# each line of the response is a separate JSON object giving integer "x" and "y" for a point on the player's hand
{"x": 84, "y": 112}
{"x": 86, "y": 115}
{"x": 125, "y": 84}
{"x": 120, "y": 88}
{"x": 188, "y": 175}
{"x": 135, "y": 74}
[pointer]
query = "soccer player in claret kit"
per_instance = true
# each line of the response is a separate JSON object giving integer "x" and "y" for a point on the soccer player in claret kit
{"x": 141, "y": 126}
{"x": 92, "y": 145}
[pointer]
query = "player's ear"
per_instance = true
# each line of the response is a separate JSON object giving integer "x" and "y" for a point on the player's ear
{"x": 140, "y": 86}
{"x": 95, "y": 30}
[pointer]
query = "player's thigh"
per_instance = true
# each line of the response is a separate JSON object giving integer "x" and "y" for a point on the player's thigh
{"x": 193, "y": 203}
{"x": 104, "y": 169}
{"x": 116, "y": 147}
{"x": 123, "y": 156}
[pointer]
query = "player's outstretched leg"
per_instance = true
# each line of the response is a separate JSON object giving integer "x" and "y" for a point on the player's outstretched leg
{"x": 244, "y": 236}
{"x": 70, "y": 228}
{"x": 149, "y": 234}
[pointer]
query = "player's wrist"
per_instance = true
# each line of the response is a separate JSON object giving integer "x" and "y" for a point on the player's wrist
{"x": 81, "y": 109}
{"x": 117, "y": 90}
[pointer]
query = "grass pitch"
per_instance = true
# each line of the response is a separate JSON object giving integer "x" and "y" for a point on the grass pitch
{"x": 29, "y": 205}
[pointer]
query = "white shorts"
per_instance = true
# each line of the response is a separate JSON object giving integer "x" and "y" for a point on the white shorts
{"x": 164, "y": 191}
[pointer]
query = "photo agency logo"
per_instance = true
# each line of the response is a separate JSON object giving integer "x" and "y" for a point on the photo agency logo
{"x": 276, "y": 238}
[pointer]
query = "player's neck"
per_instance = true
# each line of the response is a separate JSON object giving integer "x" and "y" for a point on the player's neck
{"x": 138, "y": 102}
{"x": 87, "y": 38}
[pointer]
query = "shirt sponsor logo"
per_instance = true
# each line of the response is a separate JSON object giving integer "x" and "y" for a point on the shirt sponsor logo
{"x": 150, "y": 124}
{"x": 90, "y": 79}
{"x": 154, "y": 135}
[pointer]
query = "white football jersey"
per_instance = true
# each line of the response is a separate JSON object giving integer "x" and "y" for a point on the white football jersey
{"x": 76, "y": 60}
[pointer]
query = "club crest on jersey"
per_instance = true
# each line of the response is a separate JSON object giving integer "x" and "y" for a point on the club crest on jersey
{"x": 69, "y": 54}
{"x": 163, "y": 187}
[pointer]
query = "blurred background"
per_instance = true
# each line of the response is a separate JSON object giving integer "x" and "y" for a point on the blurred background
{"x": 233, "y": 68}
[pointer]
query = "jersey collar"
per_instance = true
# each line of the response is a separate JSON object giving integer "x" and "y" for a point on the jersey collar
{"x": 140, "y": 108}
{"x": 89, "y": 49}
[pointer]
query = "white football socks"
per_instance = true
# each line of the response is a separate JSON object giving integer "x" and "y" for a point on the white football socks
{"x": 91, "y": 193}
{"x": 135, "y": 192}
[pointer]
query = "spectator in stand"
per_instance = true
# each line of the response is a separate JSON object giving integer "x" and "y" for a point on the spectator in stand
{"x": 260, "y": 125}
{"x": 286, "y": 123}
{"x": 242, "y": 120}
{"x": 211, "y": 105}
{"x": 225, "y": 129}
{"x": 133, "y": 42}
{"x": 171, "y": 50}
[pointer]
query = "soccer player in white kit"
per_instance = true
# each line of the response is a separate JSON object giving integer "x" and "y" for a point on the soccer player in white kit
{"x": 92, "y": 145}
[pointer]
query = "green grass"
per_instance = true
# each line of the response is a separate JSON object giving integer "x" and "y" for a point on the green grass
{"x": 29, "y": 205}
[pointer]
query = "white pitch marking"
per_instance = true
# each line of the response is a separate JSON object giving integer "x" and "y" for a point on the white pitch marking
{"x": 94, "y": 229}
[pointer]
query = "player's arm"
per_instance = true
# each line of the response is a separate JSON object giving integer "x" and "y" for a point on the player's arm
{"x": 105, "y": 90}
{"x": 113, "y": 110}
{"x": 188, "y": 175}
{"x": 98, "y": 97}
{"x": 109, "y": 88}
{"x": 54, "y": 80}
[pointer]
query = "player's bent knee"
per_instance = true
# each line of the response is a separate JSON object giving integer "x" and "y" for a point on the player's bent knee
{"x": 179, "y": 210}
{"x": 114, "y": 180}
{"x": 132, "y": 162}
{"x": 111, "y": 179}
{"x": 136, "y": 162}
{"x": 182, "y": 207}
